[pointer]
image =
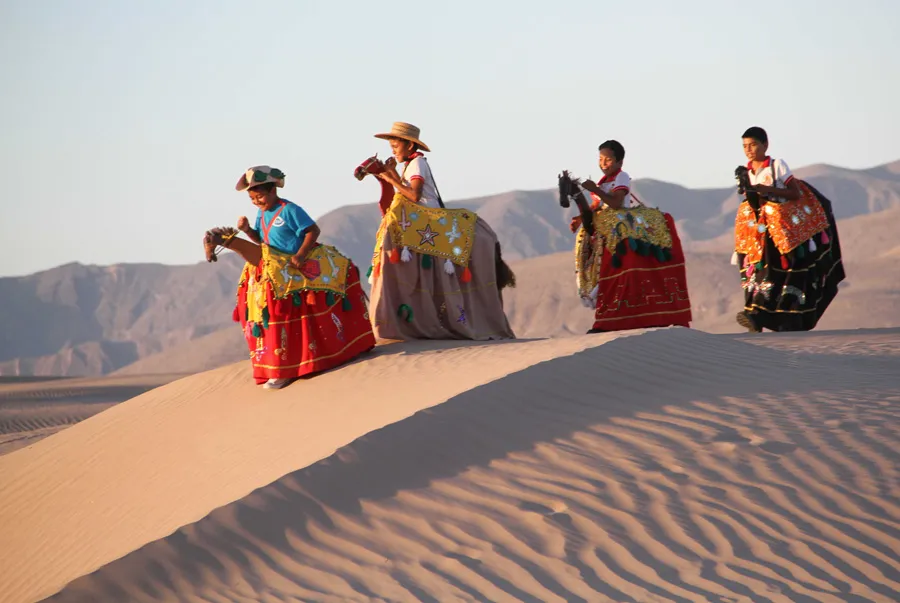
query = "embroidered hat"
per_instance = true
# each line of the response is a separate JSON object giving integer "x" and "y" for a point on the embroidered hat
{"x": 404, "y": 131}
{"x": 260, "y": 174}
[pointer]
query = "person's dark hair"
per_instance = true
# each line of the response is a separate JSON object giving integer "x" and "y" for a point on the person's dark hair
{"x": 263, "y": 188}
{"x": 616, "y": 147}
{"x": 757, "y": 134}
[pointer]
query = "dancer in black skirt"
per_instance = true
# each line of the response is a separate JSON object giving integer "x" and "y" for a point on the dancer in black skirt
{"x": 786, "y": 244}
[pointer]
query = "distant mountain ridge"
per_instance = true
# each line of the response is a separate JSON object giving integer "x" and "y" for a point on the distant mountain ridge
{"x": 91, "y": 320}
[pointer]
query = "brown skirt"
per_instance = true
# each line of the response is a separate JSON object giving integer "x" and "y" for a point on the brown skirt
{"x": 418, "y": 299}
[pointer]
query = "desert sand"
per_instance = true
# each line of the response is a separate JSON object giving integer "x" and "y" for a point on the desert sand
{"x": 667, "y": 465}
{"x": 32, "y": 408}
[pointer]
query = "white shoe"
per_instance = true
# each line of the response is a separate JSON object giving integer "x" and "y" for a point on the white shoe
{"x": 275, "y": 383}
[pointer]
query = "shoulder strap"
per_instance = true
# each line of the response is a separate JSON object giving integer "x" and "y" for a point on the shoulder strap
{"x": 430, "y": 173}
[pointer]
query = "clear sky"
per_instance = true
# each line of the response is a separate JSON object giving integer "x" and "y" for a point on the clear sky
{"x": 124, "y": 125}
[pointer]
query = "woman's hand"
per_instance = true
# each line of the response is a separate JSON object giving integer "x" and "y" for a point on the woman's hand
{"x": 389, "y": 176}
{"x": 298, "y": 260}
{"x": 590, "y": 186}
{"x": 243, "y": 224}
{"x": 575, "y": 223}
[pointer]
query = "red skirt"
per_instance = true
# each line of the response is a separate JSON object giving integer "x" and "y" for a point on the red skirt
{"x": 643, "y": 292}
{"x": 306, "y": 334}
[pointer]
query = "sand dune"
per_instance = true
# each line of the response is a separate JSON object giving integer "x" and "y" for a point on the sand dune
{"x": 31, "y": 409}
{"x": 673, "y": 473}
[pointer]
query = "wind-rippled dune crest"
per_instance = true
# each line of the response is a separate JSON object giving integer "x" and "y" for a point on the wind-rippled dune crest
{"x": 666, "y": 466}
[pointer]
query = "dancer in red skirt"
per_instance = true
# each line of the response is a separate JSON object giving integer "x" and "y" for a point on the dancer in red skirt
{"x": 629, "y": 261}
{"x": 300, "y": 303}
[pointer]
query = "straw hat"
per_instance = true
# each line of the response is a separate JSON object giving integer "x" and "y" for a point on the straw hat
{"x": 260, "y": 174}
{"x": 404, "y": 131}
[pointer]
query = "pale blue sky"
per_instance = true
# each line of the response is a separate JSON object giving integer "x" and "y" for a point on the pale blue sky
{"x": 124, "y": 125}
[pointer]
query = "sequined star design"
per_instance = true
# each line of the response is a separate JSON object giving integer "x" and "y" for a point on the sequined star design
{"x": 339, "y": 326}
{"x": 454, "y": 233}
{"x": 287, "y": 276}
{"x": 427, "y": 235}
{"x": 404, "y": 221}
{"x": 462, "y": 315}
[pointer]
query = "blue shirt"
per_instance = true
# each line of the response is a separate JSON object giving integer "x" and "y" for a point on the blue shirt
{"x": 286, "y": 224}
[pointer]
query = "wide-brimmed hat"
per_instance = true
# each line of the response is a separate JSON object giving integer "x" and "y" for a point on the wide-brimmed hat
{"x": 260, "y": 174}
{"x": 405, "y": 131}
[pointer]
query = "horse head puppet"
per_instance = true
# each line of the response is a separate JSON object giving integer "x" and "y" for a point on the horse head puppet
{"x": 373, "y": 165}
{"x": 744, "y": 188}
{"x": 569, "y": 188}
{"x": 215, "y": 240}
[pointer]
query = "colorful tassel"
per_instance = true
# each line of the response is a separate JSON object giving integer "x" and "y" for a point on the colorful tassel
{"x": 466, "y": 275}
{"x": 448, "y": 267}
{"x": 295, "y": 297}
{"x": 311, "y": 299}
{"x": 784, "y": 263}
{"x": 661, "y": 254}
{"x": 265, "y": 317}
{"x": 633, "y": 244}
{"x": 257, "y": 332}
{"x": 621, "y": 248}
{"x": 329, "y": 298}
{"x": 734, "y": 259}
{"x": 801, "y": 251}
{"x": 369, "y": 273}
{"x": 824, "y": 237}
{"x": 759, "y": 265}
{"x": 346, "y": 306}
{"x": 395, "y": 256}
{"x": 645, "y": 248}
{"x": 236, "y": 315}
{"x": 377, "y": 271}
{"x": 405, "y": 255}
{"x": 616, "y": 261}
{"x": 812, "y": 244}
{"x": 409, "y": 312}
{"x": 426, "y": 261}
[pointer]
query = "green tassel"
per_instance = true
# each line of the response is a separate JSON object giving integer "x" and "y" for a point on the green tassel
{"x": 329, "y": 298}
{"x": 633, "y": 244}
{"x": 257, "y": 332}
{"x": 621, "y": 248}
{"x": 800, "y": 251}
{"x": 616, "y": 261}
{"x": 667, "y": 254}
{"x": 409, "y": 312}
{"x": 759, "y": 265}
{"x": 346, "y": 305}
{"x": 295, "y": 297}
{"x": 265, "y": 318}
{"x": 369, "y": 273}
{"x": 645, "y": 248}
{"x": 426, "y": 261}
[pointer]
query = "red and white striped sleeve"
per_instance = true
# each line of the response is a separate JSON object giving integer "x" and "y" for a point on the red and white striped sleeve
{"x": 621, "y": 183}
{"x": 414, "y": 170}
{"x": 782, "y": 171}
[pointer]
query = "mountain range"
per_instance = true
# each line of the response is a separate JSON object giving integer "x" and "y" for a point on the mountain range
{"x": 150, "y": 318}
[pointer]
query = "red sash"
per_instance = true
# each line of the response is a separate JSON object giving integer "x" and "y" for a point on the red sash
{"x": 262, "y": 222}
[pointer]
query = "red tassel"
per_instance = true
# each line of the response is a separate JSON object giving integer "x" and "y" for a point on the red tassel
{"x": 311, "y": 298}
{"x": 235, "y": 316}
{"x": 466, "y": 276}
{"x": 824, "y": 237}
{"x": 377, "y": 271}
{"x": 395, "y": 256}
{"x": 784, "y": 263}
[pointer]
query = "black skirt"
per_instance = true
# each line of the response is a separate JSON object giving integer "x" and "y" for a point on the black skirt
{"x": 791, "y": 292}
